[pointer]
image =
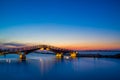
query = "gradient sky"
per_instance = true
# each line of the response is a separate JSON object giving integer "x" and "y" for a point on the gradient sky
{"x": 77, "y": 24}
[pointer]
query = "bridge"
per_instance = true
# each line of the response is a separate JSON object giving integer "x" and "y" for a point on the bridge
{"x": 23, "y": 51}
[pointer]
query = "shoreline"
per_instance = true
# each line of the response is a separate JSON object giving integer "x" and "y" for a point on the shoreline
{"x": 99, "y": 55}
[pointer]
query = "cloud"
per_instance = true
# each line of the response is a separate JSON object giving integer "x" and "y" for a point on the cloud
{"x": 11, "y": 45}
{"x": 14, "y": 44}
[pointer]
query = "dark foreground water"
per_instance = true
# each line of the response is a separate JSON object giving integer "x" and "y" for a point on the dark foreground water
{"x": 48, "y": 67}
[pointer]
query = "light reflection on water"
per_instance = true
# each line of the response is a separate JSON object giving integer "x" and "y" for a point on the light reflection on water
{"x": 48, "y": 67}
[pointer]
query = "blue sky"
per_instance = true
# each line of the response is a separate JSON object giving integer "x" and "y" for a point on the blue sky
{"x": 83, "y": 24}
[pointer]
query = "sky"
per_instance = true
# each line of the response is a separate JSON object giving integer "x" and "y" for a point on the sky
{"x": 74, "y": 24}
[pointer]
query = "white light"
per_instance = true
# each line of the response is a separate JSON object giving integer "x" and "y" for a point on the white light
{"x": 67, "y": 57}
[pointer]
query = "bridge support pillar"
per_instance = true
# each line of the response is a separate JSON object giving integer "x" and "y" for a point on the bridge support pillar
{"x": 22, "y": 56}
{"x": 73, "y": 54}
{"x": 59, "y": 55}
{"x": 1, "y": 53}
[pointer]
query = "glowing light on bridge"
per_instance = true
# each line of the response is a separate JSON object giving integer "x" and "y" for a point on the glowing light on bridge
{"x": 22, "y": 56}
{"x": 59, "y": 55}
{"x": 41, "y": 48}
{"x": 47, "y": 49}
{"x": 73, "y": 54}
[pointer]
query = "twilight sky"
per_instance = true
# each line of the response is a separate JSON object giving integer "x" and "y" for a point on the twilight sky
{"x": 76, "y": 24}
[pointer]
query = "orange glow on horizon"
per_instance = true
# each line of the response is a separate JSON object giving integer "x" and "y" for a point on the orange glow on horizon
{"x": 77, "y": 46}
{"x": 93, "y": 47}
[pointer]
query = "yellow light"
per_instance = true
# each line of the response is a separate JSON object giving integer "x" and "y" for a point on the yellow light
{"x": 59, "y": 55}
{"x": 21, "y": 56}
{"x": 41, "y": 48}
{"x": 47, "y": 49}
{"x": 73, "y": 55}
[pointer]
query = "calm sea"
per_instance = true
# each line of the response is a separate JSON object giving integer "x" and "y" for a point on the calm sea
{"x": 48, "y": 67}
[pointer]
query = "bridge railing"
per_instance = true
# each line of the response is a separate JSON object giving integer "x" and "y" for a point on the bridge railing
{"x": 35, "y": 47}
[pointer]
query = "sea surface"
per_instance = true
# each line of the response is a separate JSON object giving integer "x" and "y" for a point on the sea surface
{"x": 48, "y": 67}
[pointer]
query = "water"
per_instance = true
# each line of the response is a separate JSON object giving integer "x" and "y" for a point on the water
{"x": 48, "y": 67}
